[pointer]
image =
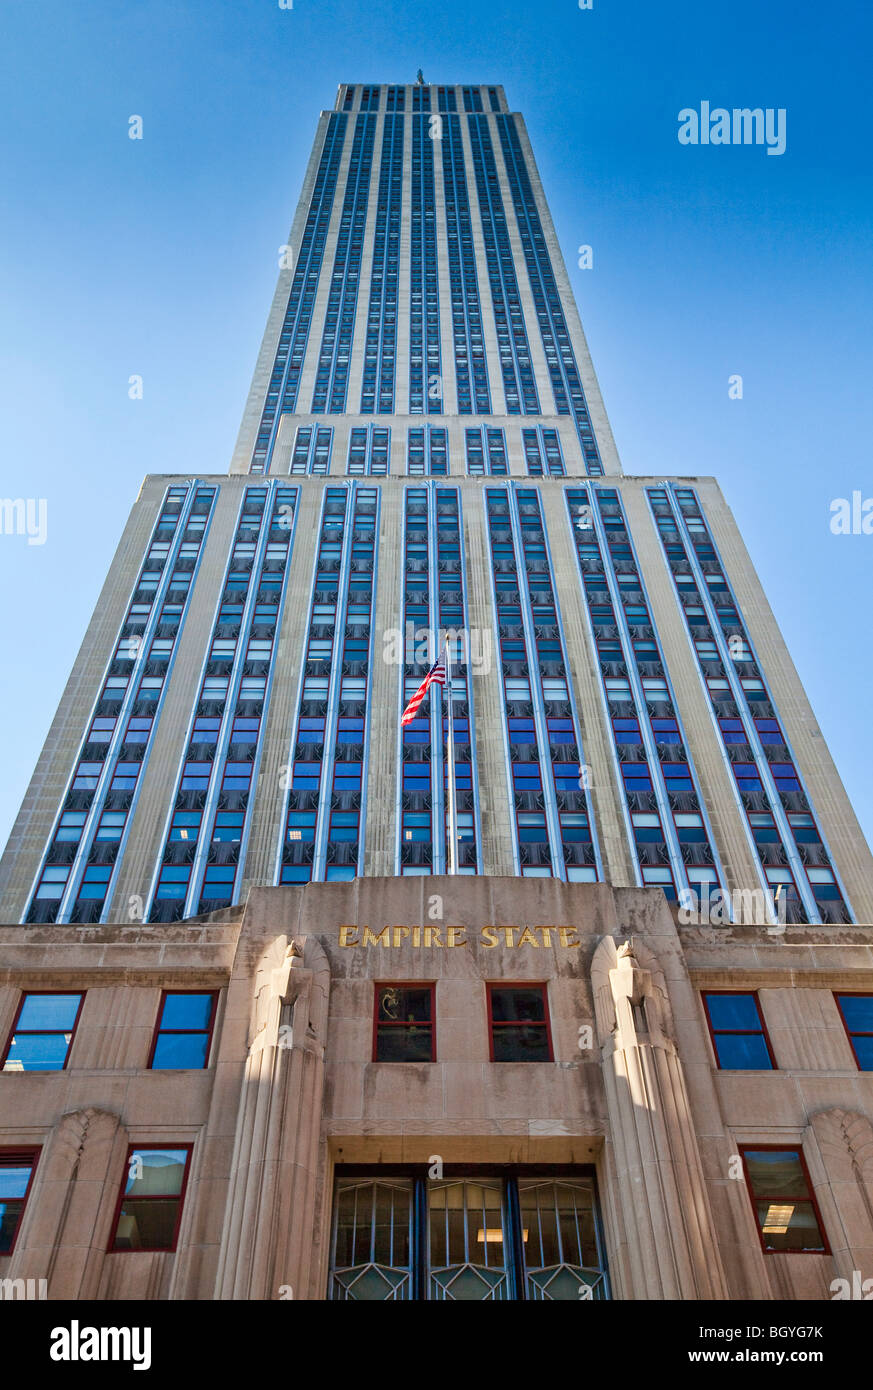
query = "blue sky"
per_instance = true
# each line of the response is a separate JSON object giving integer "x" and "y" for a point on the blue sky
{"x": 159, "y": 258}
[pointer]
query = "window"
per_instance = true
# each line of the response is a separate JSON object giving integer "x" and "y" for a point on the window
{"x": 150, "y": 1204}
{"x": 184, "y": 1030}
{"x": 518, "y": 1023}
{"x": 403, "y": 1025}
{"x": 42, "y": 1032}
{"x": 785, "y": 1209}
{"x": 856, "y": 1011}
{"x": 16, "y": 1175}
{"x": 474, "y": 1235}
{"x": 739, "y": 1037}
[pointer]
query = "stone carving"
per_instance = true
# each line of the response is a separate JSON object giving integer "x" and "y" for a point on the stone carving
{"x": 267, "y": 1237}
{"x": 659, "y": 1203}
{"x": 72, "y": 1203}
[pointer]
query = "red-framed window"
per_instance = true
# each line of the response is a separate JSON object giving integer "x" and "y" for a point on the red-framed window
{"x": 149, "y": 1207}
{"x": 739, "y": 1034}
{"x": 856, "y": 1011}
{"x": 785, "y": 1208}
{"x": 17, "y": 1167}
{"x": 43, "y": 1031}
{"x": 404, "y": 1021}
{"x": 518, "y": 1023}
{"x": 183, "y": 1031}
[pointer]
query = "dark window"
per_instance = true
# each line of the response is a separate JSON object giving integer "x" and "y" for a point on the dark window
{"x": 738, "y": 1034}
{"x": 150, "y": 1204}
{"x": 856, "y": 1011}
{"x": 184, "y": 1030}
{"x": 16, "y": 1174}
{"x": 786, "y": 1212}
{"x": 42, "y": 1032}
{"x": 519, "y": 1023}
{"x": 403, "y": 1027}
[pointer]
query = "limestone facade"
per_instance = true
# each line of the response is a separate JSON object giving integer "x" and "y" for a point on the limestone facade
{"x": 291, "y": 1097}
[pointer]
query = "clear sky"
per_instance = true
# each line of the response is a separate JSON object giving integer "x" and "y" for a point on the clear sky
{"x": 158, "y": 257}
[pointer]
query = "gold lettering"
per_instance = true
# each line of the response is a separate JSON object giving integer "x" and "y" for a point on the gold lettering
{"x": 344, "y": 934}
{"x": 527, "y": 938}
{"x": 488, "y": 936}
{"x": 564, "y": 932}
{"x": 547, "y": 934}
{"x": 381, "y": 938}
{"x": 452, "y": 931}
{"x": 508, "y": 935}
{"x": 416, "y": 936}
{"x": 432, "y": 937}
{"x": 399, "y": 933}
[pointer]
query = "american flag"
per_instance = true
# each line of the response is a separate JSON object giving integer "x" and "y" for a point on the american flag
{"x": 435, "y": 676}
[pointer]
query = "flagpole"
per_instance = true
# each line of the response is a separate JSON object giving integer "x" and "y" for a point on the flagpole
{"x": 453, "y": 814}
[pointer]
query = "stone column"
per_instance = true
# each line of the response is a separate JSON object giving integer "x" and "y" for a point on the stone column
{"x": 659, "y": 1204}
{"x": 268, "y": 1228}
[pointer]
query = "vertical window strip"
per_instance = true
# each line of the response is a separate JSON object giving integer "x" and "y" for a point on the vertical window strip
{"x": 340, "y": 833}
{"x": 495, "y": 441}
{"x": 474, "y": 397}
{"x": 291, "y": 350}
{"x": 81, "y": 860}
{"x": 425, "y": 359}
{"x": 489, "y": 459}
{"x": 377, "y": 386}
{"x": 513, "y": 347}
{"x": 227, "y": 816}
{"x": 533, "y": 457}
{"x": 324, "y": 817}
{"x": 475, "y": 452}
{"x": 561, "y": 360}
{"x": 369, "y": 450}
{"x": 417, "y": 852}
{"x": 313, "y": 445}
{"x": 207, "y": 817}
{"x": 427, "y": 452}
{"x": 553, "y": 823}
{"x": 733, "y": 689}
{"x": 451, "y": 619}
{"x": 776, "y": 750}
{"x": 669, "y": 832}
{"x": 304, "y": 773}
{"x": 331, "y": 378}
{"x": 434, "y": 605}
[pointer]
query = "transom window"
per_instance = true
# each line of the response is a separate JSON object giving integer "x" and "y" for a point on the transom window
{"x": 471, "y": 1236}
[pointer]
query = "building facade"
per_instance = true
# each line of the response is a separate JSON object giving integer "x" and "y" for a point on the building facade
{"x": 242, "y": 1053}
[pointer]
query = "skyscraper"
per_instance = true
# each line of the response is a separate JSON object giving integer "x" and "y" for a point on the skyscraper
{"x": 425, "y": 451}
